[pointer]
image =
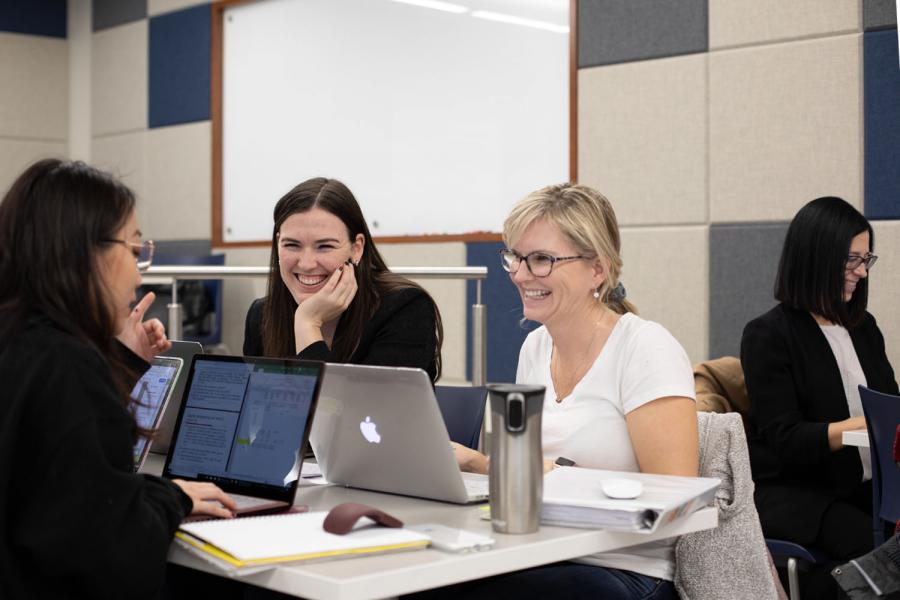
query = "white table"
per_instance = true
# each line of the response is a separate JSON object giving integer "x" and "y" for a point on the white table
{"x": 857, "y": 437}
{"x": 390, "y": 575}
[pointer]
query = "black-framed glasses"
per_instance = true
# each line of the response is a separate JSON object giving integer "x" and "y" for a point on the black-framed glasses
{"x": 143, "y": 251}
{"x": 540, "y": 264}
{"x": 853, "y": 261}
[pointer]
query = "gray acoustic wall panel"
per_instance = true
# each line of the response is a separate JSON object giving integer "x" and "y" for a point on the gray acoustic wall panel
{"x": 743, "y": 261}
{"x": 109, "y": 13}
{"x": 615, "y": 31}
{"x": 879, "y": 14}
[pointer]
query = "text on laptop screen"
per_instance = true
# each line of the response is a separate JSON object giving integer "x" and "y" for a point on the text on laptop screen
{"x": 149, "y": 393}
{"x": 243, "y": 422}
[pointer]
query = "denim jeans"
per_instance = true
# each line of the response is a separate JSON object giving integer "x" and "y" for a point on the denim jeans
{"x": 560, "y": 580}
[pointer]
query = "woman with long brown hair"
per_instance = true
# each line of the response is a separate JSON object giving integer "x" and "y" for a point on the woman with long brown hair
{"x": 330, "y": 294}
{"x": 77, "y": 521}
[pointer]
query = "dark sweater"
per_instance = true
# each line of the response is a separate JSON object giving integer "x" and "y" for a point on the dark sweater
{"x": 77, "y": 522}
{"x": 401, "y": 333}
{"x": 795, "y": 391}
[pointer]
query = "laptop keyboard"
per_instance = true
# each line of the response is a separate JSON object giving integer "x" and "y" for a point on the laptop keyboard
{"x": 247, "y": 501}
{"x": 476, "y": 485}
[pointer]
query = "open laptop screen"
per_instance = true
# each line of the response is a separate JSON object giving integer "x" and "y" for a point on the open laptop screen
{"x": 243, "y": 422}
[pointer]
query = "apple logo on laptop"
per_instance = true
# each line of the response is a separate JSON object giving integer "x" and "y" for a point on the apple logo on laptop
{"x": 368, "y": 430}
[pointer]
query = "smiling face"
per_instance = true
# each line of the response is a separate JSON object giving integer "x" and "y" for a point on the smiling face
{"x": 859, "y": 246}
{"x": 117, "y": 264}
{"x": 568, "y": 291}
{"x": 311, "y": 246}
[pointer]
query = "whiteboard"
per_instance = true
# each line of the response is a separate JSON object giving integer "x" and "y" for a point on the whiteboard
{"x": 437, "y": 121}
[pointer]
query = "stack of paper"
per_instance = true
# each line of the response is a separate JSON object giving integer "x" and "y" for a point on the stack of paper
{"x": 574, "y": 497}
{"x": 250, "y": 544}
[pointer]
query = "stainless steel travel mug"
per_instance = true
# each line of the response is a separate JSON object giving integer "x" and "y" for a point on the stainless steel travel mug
{"x": 516, "y": 468}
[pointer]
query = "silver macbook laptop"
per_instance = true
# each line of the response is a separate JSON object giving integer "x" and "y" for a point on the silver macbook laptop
{"x": 243, "y": 425}
{"x": 380, "y": 428}
{"x": 185, "y": 351}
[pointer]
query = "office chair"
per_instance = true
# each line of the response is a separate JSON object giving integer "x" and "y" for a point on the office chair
{"x": 463, "y": 412}
{"x": 793, "y": 556}
{"x": 882, "y": 413}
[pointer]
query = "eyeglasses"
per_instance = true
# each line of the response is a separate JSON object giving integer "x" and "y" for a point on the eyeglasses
{"x": 143, "y": 252}
{"x": 540, "y": 264}
{"x": 853, "y": 261}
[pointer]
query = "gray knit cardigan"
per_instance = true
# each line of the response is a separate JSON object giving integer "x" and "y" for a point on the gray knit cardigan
{"x": 730, "y": 561}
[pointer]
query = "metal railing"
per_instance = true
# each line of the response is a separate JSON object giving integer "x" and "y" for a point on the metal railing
{"x": 164, "y": 274}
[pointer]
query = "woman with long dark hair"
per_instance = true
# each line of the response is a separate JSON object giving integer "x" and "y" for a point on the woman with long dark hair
{"x": 77, "y": 522}
{"x": 330, "y": 294}
{"x": 803, "y": 362}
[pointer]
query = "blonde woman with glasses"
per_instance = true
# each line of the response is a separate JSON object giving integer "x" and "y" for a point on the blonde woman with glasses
{"x": 78, "y": 522}
{"x": 620, "y": 392}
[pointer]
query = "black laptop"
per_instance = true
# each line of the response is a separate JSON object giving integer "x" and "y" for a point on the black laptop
{"x": 244, "y": 425}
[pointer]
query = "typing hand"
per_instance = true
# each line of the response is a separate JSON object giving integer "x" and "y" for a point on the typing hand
{"x": 208, "y": 499}
{"x": 144, "y": 338}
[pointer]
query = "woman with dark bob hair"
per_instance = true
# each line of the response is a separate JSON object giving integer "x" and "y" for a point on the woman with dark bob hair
{"x": 803, "y": 361}
{"x": 78, "y": 522}
{"x": 330, "y": 294}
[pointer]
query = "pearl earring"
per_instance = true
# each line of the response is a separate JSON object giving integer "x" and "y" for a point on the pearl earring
{"x": 596, "y": 294}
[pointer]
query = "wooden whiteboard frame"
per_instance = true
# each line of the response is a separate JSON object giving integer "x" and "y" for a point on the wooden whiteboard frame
{"x": 217, "y": 113}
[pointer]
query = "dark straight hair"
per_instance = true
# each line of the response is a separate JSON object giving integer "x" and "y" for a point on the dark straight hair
{"x": 54, "y": 221}
{"x": 373, "y": 277}
{"x": 813, "y": 261}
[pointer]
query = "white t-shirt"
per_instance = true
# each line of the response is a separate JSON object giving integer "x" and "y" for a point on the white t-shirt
{"x": 852, "y": 377}
{"x": 639, "y": 363}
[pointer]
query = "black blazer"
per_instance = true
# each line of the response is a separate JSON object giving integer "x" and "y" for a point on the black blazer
{"x": 401, "y": 333}
{"x": 795, "y": 391}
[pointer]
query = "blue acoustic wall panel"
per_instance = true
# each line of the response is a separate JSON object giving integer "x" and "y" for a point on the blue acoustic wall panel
{"x": 882, "y": 124}
{"x": 179, "y": 64}
{"x": 34, "y": 17}
{"x": 109, "y": 13}
{"x": 615, "y": 31}
{"x": 743, "y": 261}
{"x": 504, "y": 313}
{"x": 879, "y": 14}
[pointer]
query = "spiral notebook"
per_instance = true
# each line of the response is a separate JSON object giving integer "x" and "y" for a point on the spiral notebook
{"x": 251, "y": 544}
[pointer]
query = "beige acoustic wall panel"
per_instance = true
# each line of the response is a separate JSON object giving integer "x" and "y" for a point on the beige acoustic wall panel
{"x": 34, "y": 94}
{"x": 124, "y": 156}
{"x": 642, "y": 138}
{"x": 739, "y": 22}
{"x": 179, "y": 181}
{"x": 450, "y": 296}
{"x": 666, "y": 275}
{"x": 785, "y": 127}
{"x": 119, "y": 79}
{"x": 17, "y": 155}
{"x": 239, "y": 294}
{"x": 884, "y": 288}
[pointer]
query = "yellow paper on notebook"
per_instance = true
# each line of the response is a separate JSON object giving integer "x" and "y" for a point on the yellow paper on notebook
{"x": 251, "y": 544}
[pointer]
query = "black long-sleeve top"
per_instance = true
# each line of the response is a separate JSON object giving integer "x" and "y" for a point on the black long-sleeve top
{"x": 795, "y": 390}
{"x": 401, "y": 333}
{"x": 75, "y": 520}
